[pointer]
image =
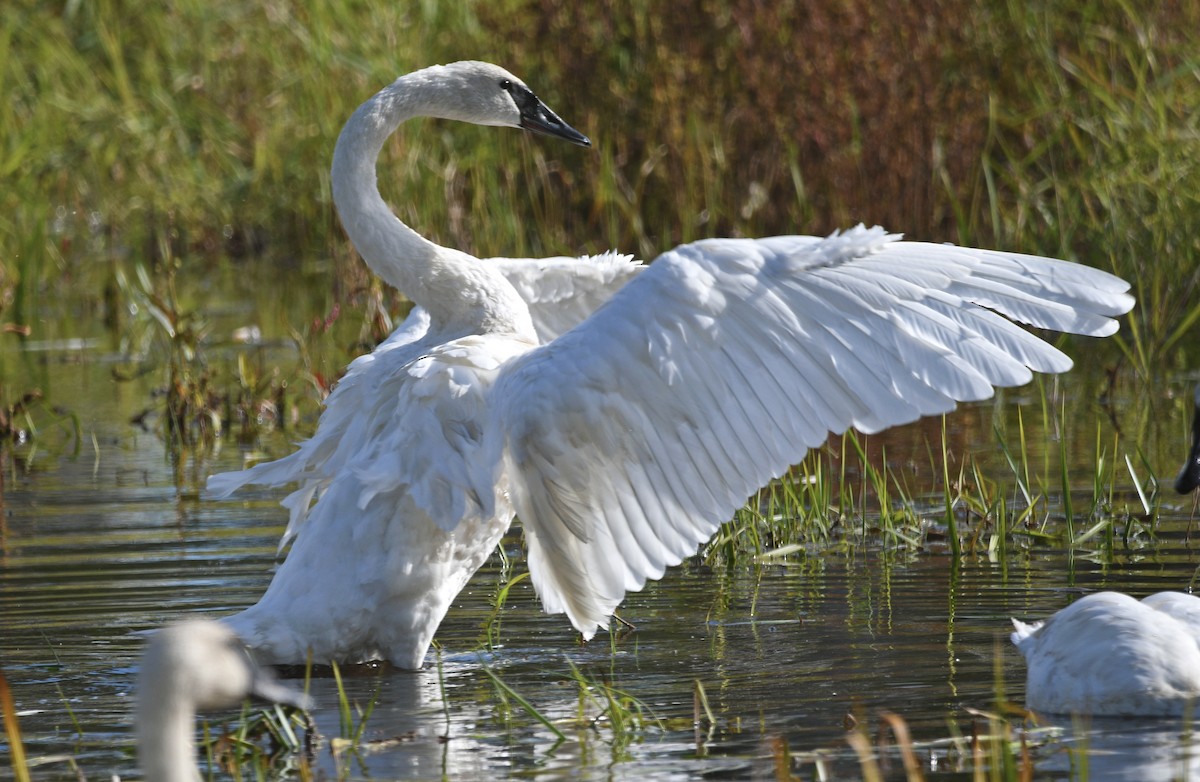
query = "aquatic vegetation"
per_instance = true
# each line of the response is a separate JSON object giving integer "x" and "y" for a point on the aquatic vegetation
{"x": 602, "y": 710}
{"x": 507, "y": 695}
{"x": 493, "y": 624}
{"x": 205, "y": 396}
{"x": 166, "y": 329}
{"x": 17, "y": 416}
{"x": 842, "y": 495}
{"x": 12, "y": 730}
{"x": 261, "y": 743}
{"x": 1097, "y": 155}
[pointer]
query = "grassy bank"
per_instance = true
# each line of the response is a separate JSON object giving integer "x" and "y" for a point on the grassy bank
{"x": 200, "y": 131}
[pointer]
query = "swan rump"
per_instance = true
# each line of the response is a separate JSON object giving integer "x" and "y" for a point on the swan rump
{"x": 621, "y": 411}
{"x": 1108, "y": 654}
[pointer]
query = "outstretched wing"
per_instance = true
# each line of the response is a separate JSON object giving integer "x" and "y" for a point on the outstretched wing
{"x": 561, "y": 292}
{"x": 633, "y": 436}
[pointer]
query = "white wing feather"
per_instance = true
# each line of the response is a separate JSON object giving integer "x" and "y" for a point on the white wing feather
{"x": 349, "y": 409}
{"x": 629, "y": 439}
{"x": 560, "y": 291}
{"x": 428, "y": 445}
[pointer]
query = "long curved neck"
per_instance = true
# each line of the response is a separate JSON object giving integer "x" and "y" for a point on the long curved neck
{"x": 460, "y": 292}
{"x": 166, "y": 751}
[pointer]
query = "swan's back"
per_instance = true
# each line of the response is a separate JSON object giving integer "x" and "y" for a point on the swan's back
{"x": 1109, "y": 654}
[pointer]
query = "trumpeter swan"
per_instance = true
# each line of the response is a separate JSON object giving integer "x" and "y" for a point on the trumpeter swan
{"x": 192, "y": 665}
{"x": 1189, "y": 476}
{"x": 624, "y": 432}
{"x": 1108, "y": 654}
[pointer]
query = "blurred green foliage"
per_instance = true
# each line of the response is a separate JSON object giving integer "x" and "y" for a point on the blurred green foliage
{"x": 198, "y": 131}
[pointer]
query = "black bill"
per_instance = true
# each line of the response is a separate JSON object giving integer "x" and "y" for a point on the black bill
{"x": 1189, "y": 476}
{"x": 538, "y": 117}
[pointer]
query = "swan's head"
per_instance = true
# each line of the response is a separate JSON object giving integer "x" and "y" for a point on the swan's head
{"x": 486, "y": 94}
{"x": 203, "y": 664}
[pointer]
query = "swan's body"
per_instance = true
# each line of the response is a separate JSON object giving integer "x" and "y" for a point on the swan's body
{"x": 1108, "y": 654}
{"x": 193, "y": 665}
{"x": 1189, "y": 476}
{"x": 623, "y": 442}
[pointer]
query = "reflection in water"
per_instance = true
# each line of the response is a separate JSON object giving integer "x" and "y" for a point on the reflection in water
{"x": 100, "y": 545}
{"x": 1123, "y": 749}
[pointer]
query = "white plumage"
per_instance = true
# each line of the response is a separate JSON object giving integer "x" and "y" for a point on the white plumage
{"x": 623, "y": 412}
{"x": 193, "y": 665}
{"x": 1108, "y": 654}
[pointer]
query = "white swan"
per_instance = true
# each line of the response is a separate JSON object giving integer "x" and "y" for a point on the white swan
{"x": 1189, "y": 475}
{"x": 1108, "y": 654}
{"x": 624, "y": 442}
{"x": 196, "y": 664}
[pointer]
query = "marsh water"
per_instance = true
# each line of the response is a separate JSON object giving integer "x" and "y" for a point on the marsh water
{"x": 107, "y": 537}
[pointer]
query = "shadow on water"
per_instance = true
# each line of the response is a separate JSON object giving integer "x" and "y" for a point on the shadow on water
{"x": 101, "y": 543}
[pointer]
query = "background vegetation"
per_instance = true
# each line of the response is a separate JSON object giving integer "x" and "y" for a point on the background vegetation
{"x": 188, "y": 142}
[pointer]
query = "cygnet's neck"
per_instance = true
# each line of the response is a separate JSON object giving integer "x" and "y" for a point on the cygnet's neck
{"x": 166, "y": 749}
{"x": 460, "y": 292}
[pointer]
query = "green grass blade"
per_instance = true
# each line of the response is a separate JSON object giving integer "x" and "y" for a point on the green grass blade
{"x": 521, "y": 701}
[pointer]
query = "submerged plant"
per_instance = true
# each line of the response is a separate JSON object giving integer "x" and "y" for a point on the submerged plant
{"x": 508, "y": 695}
{"x": 24, "y": 419}
{"x": 601, "y": 708}
{"x": 264, "y": 741}
{"x": 602, "y": 704}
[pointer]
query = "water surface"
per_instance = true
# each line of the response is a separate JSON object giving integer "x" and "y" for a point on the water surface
{"x": 107, "y": 538}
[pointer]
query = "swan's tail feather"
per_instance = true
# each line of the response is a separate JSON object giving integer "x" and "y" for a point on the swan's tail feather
{"x": 274, "y": 473}
{"x": 1022, "y": 632}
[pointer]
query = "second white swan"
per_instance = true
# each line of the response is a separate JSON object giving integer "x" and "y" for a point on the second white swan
{"x": 623, "y": 412}
{"x": 1108, "y": 654}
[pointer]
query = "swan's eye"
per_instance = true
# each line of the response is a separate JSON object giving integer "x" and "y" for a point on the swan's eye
{"x": 506, "y": 85}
